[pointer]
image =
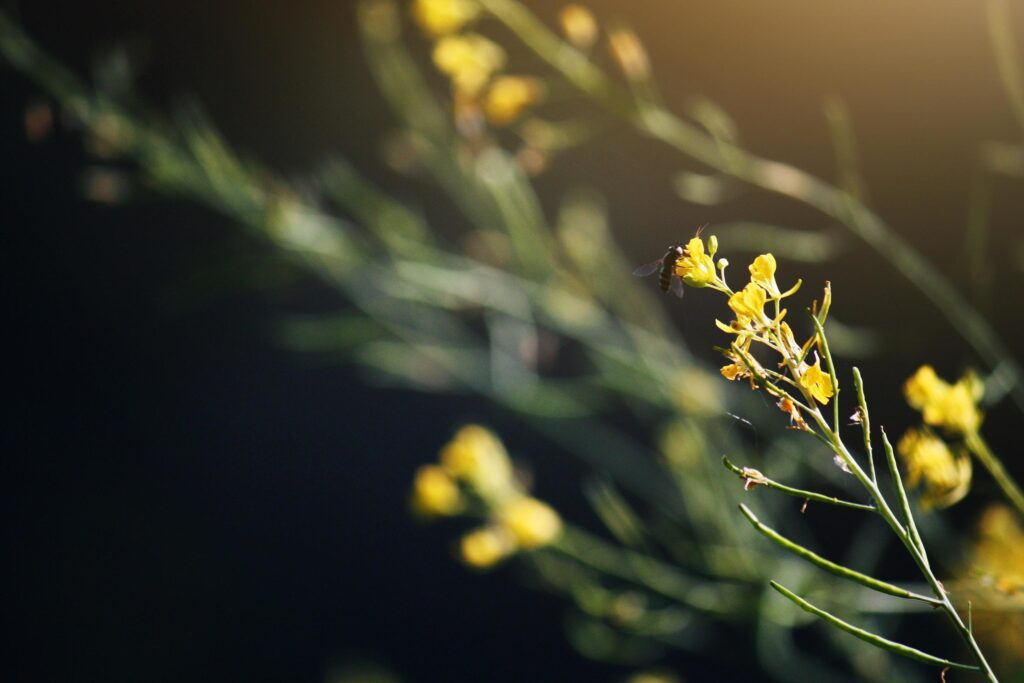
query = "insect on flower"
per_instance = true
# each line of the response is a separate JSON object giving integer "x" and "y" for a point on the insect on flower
{"x": 666, "y": 269}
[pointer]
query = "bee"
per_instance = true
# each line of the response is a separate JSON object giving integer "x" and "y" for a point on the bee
{"x": 666, "y": 269}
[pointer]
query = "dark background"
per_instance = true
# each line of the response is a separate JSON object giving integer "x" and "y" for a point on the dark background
{"x": 185, "y": 499}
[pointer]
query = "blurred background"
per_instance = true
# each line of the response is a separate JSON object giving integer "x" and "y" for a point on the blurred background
{"x": 188, "y": 497}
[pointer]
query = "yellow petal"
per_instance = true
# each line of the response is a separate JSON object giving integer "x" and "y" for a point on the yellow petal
{"x": 531, "y": 522}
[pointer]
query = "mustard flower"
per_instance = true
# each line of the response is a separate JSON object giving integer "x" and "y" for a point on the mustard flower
{"x": 817, "y": 382}
{"x": 485, "y": 547}
{"x": 696, "y": 267}
{"x": 945, "y": 476}
{"x": 999, "y": 551}
{"x": 443, "y": 17}
{"x": 579, "y": 26}
{"x": 630, "y": 54}
{"x": 748, "y": 304}
{"x": 762, "y": 273}
{"x": 434, "y": 492}
{"x": 951, "y": 407}
{"x": 531, "y": 522}
{"x": 509, "y": 96}
{"x": 469, "y": 60}
{"x": 477, "y": 456}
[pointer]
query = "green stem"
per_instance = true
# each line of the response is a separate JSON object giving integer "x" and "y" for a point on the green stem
{"x": 758, "y": 479}
{"x": 865, "y": 421}
{"x": 869, "y": 637}
{"x": 979, "y": 447}
{"x": 901, "y": 494}
{"x": 646, "y": 572}
{"x": 832, "y": 567}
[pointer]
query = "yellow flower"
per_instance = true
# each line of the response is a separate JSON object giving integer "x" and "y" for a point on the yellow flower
{"x": 486, "y": 546}
{"x": 951, "y": 407}
{"x": 945, "y": 477}
{"x": 579, "y": 26}
{"x": 762, "y": 273}
{"x": 735, "y": 371}
{"x": 442, "y": 17}
{"x": 999, "y": 552}
{"x": 509, "y": 96}
{"x": 996, "y": 567}
{"x": 469, "y": 60}
{"x": 531, "y": 522}
{"x": 696, "y": 267}
{"x": 630, "y": 54}
{"x": 434, "y": 493}
{"x": 476, "y": 456}
{"x": 748, "y": 304}
{"x": 738, "y": 368}
{"x": 817, "y": 383}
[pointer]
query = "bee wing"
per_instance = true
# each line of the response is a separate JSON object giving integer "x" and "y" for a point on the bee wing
{"x": 648, "y": 269}
{"x": 677, "y": 286}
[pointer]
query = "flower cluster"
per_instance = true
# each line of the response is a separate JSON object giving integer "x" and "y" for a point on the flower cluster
{"x": 474, "y": 64}
{"x": 759, "y": 319}
{"x": 951, "y": 407}
{"x": 943, "y": 470}
{"x": 475, "y": 477}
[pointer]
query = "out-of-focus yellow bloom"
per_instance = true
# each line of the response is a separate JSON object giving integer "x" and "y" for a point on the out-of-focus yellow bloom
{"x": 630, "y": 54}
{"x": 696, "y": 267}
{"x": 469, "y": 60}
{"x": 762, "y": 273}
{"x": 435, "y": 493}
{"x": 476, "y": 456}
{"x": 579, "y": 26}
{"x": 531, "y": 522}
{"x": 999, "y": 552}
{"x": 945, "y": 476}
{"x": 748, "y": 304}
{"x": 817, "y": 382}
{"x": 486, "y": 546}
{"x": 509, "y": 96}
{"x": 442, "y": 17}
{"x": 951, "y": 407}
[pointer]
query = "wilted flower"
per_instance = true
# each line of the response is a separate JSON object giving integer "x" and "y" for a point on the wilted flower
{"x": 531, "y": 522}
{"x": 951, "y": 407}
{"x": 945, "y": 477}
{"x": 509, "y": 96}
{"x": 469, "y": 60}
{"x": 442, "y": 17}
{"x": 434, "y": 492}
